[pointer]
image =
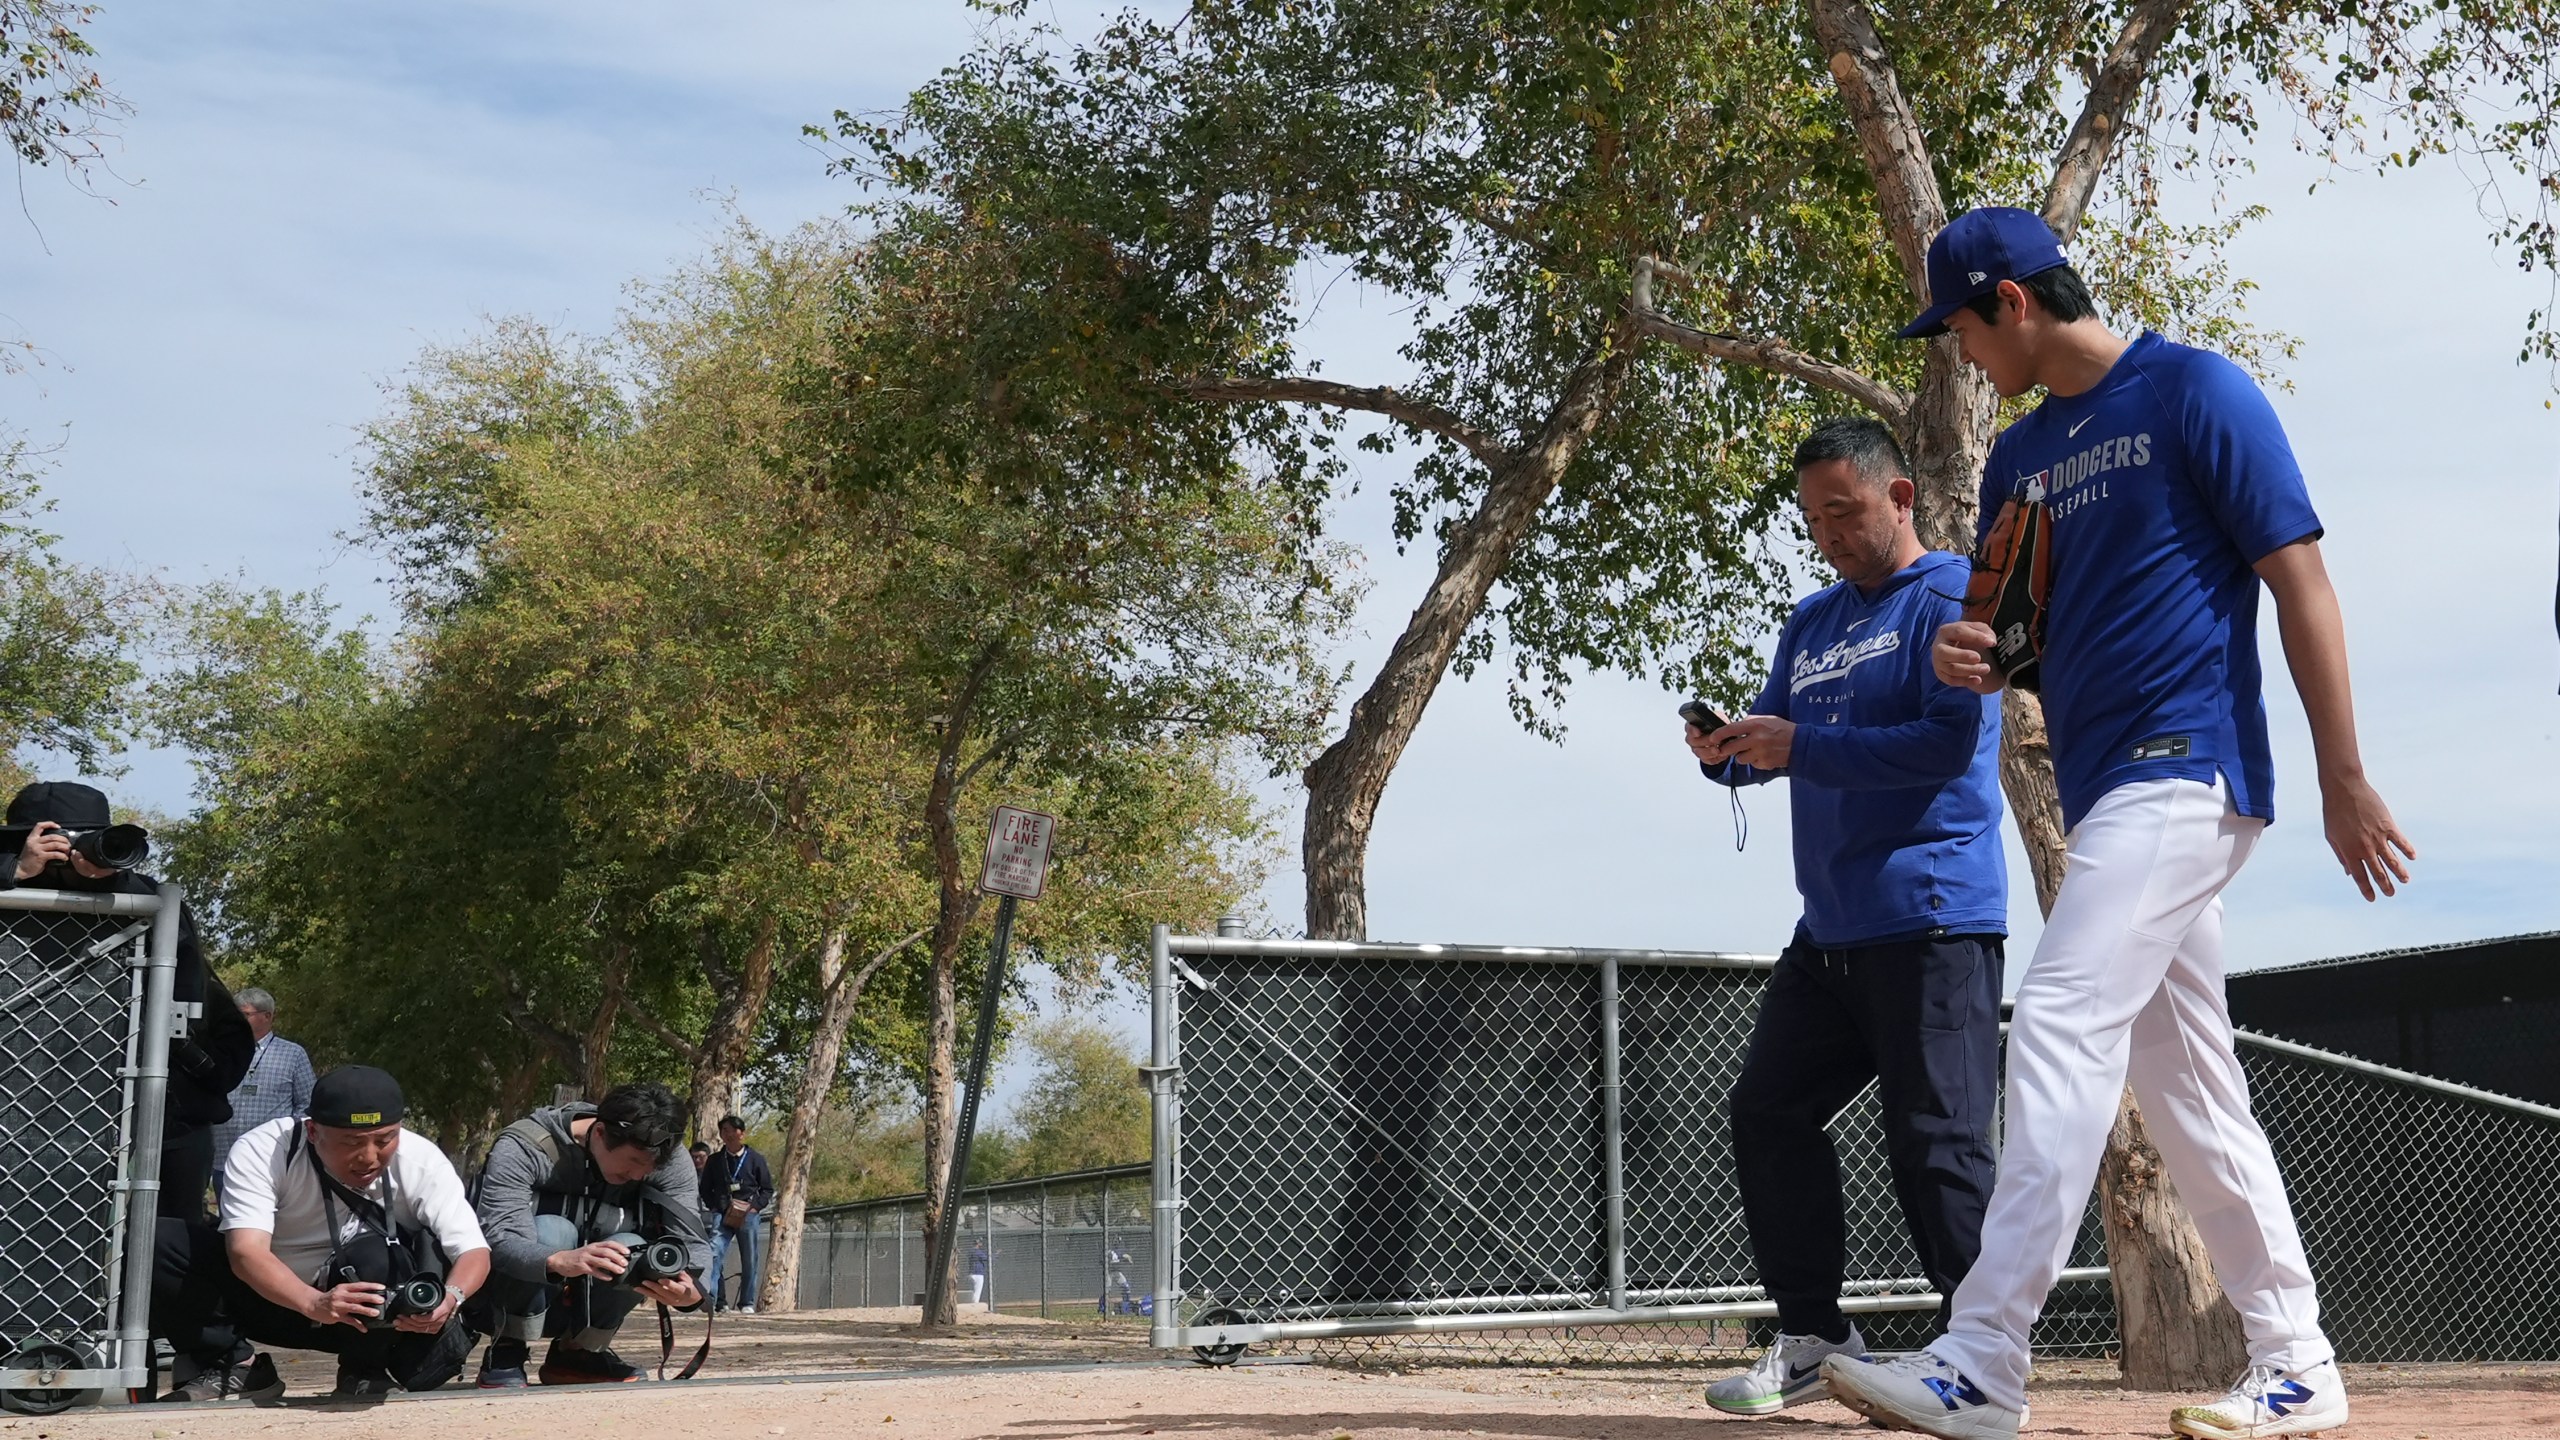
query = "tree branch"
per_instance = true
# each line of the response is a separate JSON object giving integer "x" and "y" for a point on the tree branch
{"x": 2093, "y": 137}
{"x": 871, "y": 967}
{"x": 1889, "y": 404}
{"x": 1377, "y": 399}
{"x": 565, "y": 1047}
{"x": 1888, "y": 131}
{"x": 685, "y": 1050}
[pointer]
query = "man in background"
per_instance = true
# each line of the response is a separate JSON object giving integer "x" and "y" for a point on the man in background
{"x": 278, "y": 1084}
{"x": 737, "y": 1185}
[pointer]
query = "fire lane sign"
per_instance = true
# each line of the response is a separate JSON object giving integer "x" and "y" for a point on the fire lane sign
{"x": 1018, "y": 853}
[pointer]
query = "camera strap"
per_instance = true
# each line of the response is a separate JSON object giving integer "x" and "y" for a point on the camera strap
{"x": 366, "y": 1209}
{"x": 667, "y": 1342}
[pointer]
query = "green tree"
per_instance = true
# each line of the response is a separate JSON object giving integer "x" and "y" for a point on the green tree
{"x": 1084, "y": 1107}
{"x": 68, "y": 636}
{"x": 1137, "y": 209}
{"x": 675, "y": 729}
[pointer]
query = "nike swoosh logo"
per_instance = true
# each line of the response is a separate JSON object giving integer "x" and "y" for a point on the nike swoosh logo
{"x": 1854, "y": 624}
{"x": 2074, "y": 430}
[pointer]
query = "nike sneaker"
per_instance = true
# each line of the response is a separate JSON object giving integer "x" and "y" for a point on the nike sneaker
{"x": 1788, "y": 1373}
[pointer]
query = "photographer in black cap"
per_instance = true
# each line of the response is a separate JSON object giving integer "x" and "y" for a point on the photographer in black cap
{"x": 341, "y": 1233}
{"x": 589, "y": 1208}
{"x": 59, "y": 835}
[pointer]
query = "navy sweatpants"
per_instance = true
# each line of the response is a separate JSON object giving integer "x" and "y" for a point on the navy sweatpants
{"x": 1921, "y": 1018}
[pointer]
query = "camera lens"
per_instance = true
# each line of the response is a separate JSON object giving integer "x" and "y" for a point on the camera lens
{"x": 116, "y": 847}
{"x": 418, "y": 1297}
{"x": 665, "y": 1258}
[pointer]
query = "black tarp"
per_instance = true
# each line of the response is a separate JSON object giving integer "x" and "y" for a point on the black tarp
{"x": 2484, "y": 1013}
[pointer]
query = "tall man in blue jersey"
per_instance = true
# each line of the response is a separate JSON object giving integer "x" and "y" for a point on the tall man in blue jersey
{"x": 2171, "y": 493}
{"x": 1894, "y": 972}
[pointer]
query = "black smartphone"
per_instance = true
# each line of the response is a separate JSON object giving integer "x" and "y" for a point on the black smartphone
{"x": 1703, "y": 715}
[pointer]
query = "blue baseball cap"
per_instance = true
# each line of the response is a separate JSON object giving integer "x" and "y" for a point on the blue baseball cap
{"x": 1978, "y": 250}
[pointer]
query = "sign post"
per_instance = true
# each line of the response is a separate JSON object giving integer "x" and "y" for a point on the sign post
{"x": 1017, "y": 868}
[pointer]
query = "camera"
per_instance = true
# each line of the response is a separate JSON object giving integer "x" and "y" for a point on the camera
{"x": 109, "y": 847}
{"x": 418, "y": 1296}
{"x": 650, "y": 1259}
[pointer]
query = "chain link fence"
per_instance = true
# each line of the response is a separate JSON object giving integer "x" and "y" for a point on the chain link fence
{"x": 1060, "y": 1246}
{"x": 85, "y": 1019}
{"x": 1522, "y": 1154}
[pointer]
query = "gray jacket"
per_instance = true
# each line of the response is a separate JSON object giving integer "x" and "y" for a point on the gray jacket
{"x": 524, "y": 1177}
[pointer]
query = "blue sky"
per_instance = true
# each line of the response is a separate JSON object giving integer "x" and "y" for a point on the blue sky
{"x": 311, "y": 192}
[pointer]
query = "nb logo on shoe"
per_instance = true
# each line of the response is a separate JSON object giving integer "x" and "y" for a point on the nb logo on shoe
{"x": 1949, "y": 1392}
{"x": 2282, "y": 1400}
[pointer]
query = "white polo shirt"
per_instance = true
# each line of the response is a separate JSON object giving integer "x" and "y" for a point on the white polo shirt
{"x": 273, "y": 1185}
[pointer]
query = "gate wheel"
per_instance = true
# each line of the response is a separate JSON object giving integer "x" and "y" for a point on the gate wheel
{"x": 46, "y": 1402}
{"x": 1221, "y": 1355}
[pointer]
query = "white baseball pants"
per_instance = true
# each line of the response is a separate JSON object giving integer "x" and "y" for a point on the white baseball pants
{"x": 2127, "y": 984}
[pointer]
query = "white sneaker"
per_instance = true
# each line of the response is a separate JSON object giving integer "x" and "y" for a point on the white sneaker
{"x": 1919, "y": 1392}
{"x": 1788, "y": 1373}
{"x": 2269, "y": 1401}
{"x": 746, "y": 1309}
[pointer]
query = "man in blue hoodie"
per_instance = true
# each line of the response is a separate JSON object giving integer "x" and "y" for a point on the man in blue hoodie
{"x": 1894, "y": 972}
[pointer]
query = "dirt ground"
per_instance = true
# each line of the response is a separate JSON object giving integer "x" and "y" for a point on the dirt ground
{"x": 854, "y": 1372}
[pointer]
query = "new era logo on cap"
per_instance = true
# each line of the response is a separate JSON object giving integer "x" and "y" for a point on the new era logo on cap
{"x": 1978, "y": 250}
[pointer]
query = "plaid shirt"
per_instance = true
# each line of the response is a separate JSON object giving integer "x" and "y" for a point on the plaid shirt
{"x": 278, "y": 1084}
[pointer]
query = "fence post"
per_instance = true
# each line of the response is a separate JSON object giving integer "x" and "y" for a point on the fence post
{"x": 141, "y": 1209}
{"x": 1102, "y": 1304}
{"x": 1044, "y": 1250}
{"x": 1164, "y": 1079}
{"x": 827, "y": 1283}
{"x": 987, "y": 1234}
{"x": 1612, "y": 1137}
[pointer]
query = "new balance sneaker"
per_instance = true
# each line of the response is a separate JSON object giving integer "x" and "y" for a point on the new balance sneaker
{"x": 255, "y": 1381}
{"x": 1788, "y": 1373}
{"x": 502, "y": 1365}
{"x": 569, "y": 1365}
{"x": 1918, "y": 1392}
{"x": 2269, "y": 1401}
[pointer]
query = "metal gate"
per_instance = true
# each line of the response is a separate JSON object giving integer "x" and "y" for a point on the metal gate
{"x": 85, "y": 1023}
{"x": 1372, "y": 1140}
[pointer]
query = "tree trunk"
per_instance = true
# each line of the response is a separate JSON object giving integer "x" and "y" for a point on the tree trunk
{"x": 841, "y": 993}
{"x": 941, "y": 1097}
{"x": 597, "y": 1045}
{"x": 958, "y": 907}
{"x": 738, "y": 1003}
{"x": 1345, "y": 782}
{"x": 514, "y": 1101}
{"x": 2166, "y": 1294}
{"x": 781, "y": 1292}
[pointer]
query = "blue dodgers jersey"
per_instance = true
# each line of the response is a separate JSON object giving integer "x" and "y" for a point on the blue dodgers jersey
{"x": 1894, "y": 776}
{"x": 2167, "y": 483}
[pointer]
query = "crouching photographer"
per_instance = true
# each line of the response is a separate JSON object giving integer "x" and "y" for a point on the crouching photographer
{"x": 589, "y": 1209}
{"x": 342, "y": 1234}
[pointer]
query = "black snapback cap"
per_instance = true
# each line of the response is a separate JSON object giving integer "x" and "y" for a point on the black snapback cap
{"x": 356, "y": 1097}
